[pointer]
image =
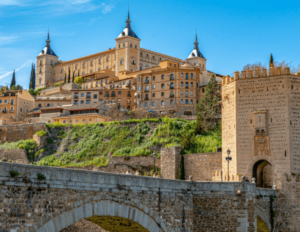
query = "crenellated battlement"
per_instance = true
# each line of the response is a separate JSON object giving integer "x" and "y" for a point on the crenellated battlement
{"x": 257, "y": 73}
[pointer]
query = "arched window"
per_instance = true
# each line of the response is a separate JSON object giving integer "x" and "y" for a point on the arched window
{"x": 107, "y": 58}
{"x": 121, "y": 61}
{"x": 61, "y": 70}
{"x": 133, "y": 62}
{"x": 123, "y": 45}
{"x": 40, "y": 81}
{"x": 131, "y": 45}
{"x": 135, "y": 46}
{"x": 51, "y": 62}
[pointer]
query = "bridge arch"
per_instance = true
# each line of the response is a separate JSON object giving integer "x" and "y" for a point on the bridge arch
{"x": 147, "y": 218}
{"x": 262, "y": 215}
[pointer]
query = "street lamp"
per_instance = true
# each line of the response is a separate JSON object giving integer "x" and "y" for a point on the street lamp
{"x": 228, "y": 160}
{"x": 154, "y": 155}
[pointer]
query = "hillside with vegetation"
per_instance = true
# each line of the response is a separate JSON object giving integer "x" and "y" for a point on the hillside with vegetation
{"x": 93, "y": 144}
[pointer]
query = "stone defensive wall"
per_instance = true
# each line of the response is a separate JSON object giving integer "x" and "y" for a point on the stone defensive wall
{"x": 63, "y": 196}
{"x": 14, "y": 133}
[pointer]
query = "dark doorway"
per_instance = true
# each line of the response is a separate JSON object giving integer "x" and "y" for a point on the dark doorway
{"x": 262, "y": 172}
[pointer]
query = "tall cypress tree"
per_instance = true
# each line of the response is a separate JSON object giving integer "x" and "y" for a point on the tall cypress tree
{"x": 208, "y": 108}
{"x": 65, "y": 78}
{"x": 78, "y": 73}
{"x": 73, "y": 77}
{"x": 69, "y": 76}
{"x": 181, "y": 170}
{"x": 32, "y": 78}
{"x": 13, "y": 80}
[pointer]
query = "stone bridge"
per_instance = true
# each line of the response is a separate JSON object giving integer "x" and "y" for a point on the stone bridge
{"x": 30, "y": 203}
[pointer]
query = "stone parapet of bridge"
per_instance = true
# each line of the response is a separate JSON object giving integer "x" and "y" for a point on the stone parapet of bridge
{"x": 29, "y": 203}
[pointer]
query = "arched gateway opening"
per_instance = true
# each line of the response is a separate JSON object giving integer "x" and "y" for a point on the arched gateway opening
{"x": 262, "y": 171}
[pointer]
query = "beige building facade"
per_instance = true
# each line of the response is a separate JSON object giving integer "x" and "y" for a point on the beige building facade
{"x": 125, "y": 68}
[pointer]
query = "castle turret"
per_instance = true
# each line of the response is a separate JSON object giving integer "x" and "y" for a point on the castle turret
{"x": 127, "y": 49}
{"x": 45, "y": 60}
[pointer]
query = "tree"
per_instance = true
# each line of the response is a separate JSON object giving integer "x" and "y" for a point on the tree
{"x": 18, "y": 87}
{"x": 208, "y": 108}
{"x": 73, "y": 76}
{"x": 69, "y": 76}
{"x": 65, "y": 78}
{"x": 181, "y": 169}
{"x": 13, "y": 80}
{"x": 254, "y": 66}
{"x": 32, "y": 78}
{"x": 78, "y": 80}
{"x": 78, "y": 73}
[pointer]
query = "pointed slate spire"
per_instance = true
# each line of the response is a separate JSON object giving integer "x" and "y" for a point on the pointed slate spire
{"x": 128, "y": 31}
{"x": 196, "y": 52}
{"x": 271, "y": 63}
{"x": 47, "y": 50}
{"x": 13, "y": 80}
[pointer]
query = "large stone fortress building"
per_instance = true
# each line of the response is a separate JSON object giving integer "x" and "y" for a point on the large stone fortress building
{"x": 260, "y": 125}
{"x": 152, "y": 80}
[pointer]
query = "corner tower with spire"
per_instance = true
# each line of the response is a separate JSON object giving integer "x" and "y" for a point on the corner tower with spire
{"x": 196, "y": 58}
{"x": 127, "y": 49}
{"x": 44, "y": 70}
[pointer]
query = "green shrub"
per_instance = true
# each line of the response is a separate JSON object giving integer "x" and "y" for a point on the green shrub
{"x": 40, "y": 176}
{"x": 29, "y": 145}
{"x": 57, "y": 84}
{"x": 42, "y": 133}
{"x": 14, "y": 173}
{"x": 37, "y": 154}
{"x": 49, "y": 140}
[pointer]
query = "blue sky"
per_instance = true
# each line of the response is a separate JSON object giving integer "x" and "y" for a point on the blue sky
{"x": 230, "y": 33}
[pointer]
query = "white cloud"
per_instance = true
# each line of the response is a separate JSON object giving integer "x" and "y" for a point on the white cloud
{"x": 7, "y": 39}
{"x": 10, "y": 2}
{"x": 28, "y": 62}
{"x": 107, "y": 8}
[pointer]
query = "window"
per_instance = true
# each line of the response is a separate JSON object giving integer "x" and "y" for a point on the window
{"x": 162, "y": 102}
{"x": 153, "y": 86}
{"x": 162, "y": 94}
{"x": 139, "y": 87}
{"x": 141, "y": 68}
{"x": 172, "y": 77}
{"x": 141, "y": 104}
{"x": 220, "y": 87}
{"x": 162, "y": 77}
{"x": 100, "y": 100}
{"x": 181, "y": 74}
{"x": 48, "y": 104}
{"x": 153, "y": 94}
{"x": 82, "y": 94}
{"x": 172, "y": 85}
{"x": 0, "y": 101}
{"x": 95, "y": 96}
{"x": 100, "y": 92}
{"x": 181, "y": 101}
{"x": 192, "y": 75}
{"x": 75, "y": 102}
{"x": 139, "y": 95}
{"x": 186, "y": 101}
{"x": 153, "y": 78}
{"x": 181, "y": 84}
{"x": 146, "y": 104}
{"x": 64, "y": 121}
{"x": 192, "y": 84}
{"x": 106, "y": 81}
{"x": 191, "y": 93}
{"x": 171, "y": 102}
{"x": 186, "y": 76}
{"x": 88, "y": 102}
{"x": 153, "y": 103}
{"x": 21, "y": 109}
{"x": 186, "y": 93}
{"x": 203, "y": 90}
{"x": 83, "y": 120}
{"x": 121, "y": 62}
{"x": 162, "y": 85}
{"x": 133, "y": 62}
{"x": 40, "y": 106}
{"x": 82, "y": 102}
{"x": 5, "y": 101}
{"x": 92, "y": 85}
{"x": 186, "y": 85}
{"x": 13, "y": 101}
{"x": 181, "y": 92}
{"x": 119, "y": 92}
{"x": 139, "y": 79}
{"x": 191, "y": 101}
{"x": 106, "y": 58}
{"x": 147, "y": 88}
{"x": 61, "y": 70}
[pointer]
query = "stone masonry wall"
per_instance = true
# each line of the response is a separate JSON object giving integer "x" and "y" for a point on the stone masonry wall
{"x": 14, "y": 156}
{"x": 170, "y": 162}
{"x": 156, "y": 204}
{"x": 202, "y": 165}
{"x": 14, "y": 133}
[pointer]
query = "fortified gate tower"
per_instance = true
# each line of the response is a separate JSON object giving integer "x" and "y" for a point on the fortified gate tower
{"x": 260, "y": 125}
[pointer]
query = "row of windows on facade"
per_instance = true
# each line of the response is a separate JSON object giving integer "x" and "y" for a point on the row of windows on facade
{"x": 11, "y": 110}
{"x": 76, "y": 74}
{"x": 100, "y": 100}
{"x": 88, "y": 95}
{"x": 171, "y": 102}
{"x": 171, "y": 77}
{"x": 49, "y": 105}
{"x": 162, "y": 94}
{"x": 106, "y": 81}
{"x": 83, "y": 120}
{"x": 135, "y": 46}
{"x": 163, "y": 86}
{"x": 7, "y": 101}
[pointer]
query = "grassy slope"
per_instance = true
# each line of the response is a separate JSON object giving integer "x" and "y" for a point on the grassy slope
{"x": 90, "y": 144}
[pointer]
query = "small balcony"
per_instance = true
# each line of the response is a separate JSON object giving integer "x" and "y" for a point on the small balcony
{"x": 113, "y": 95}
{"x": 146, "y": 90}
{"x": 146, "y": 98}
{"x": 128, "y": 95}
{"x": 146, "y": 81}
{"x": 88, "y": 97}
{"x": 172, "y": 96}
{"x": 172, "y": 87}
{"x": 106, "y": 95}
